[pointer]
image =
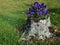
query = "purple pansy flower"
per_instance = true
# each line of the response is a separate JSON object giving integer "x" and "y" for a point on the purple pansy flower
{"x": 39, "y": 13}
{"x": 36, "y": 3}
{"x": 39, "y": 6}
{"x": 32, "y": 13}
{"x": 38, "y": 9}
{"x": 29, "y": 12}
{"x": 46, "y": 12}
{"x": 43, "y": 5}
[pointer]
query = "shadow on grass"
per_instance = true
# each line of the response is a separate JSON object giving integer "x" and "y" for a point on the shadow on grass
{"x": 55, "y": 16}
{"x": 55, "y": 10}
{"x": 17, "y": 23}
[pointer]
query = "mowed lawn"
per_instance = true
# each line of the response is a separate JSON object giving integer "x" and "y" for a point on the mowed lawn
{"x": 12, "y": 17}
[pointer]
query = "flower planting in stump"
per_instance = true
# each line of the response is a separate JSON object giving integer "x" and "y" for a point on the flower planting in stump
{"x": 38, "y": 26}
{"x": 38, "y": 10}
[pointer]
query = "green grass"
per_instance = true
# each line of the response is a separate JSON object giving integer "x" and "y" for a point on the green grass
{"x": 12, "y": 17}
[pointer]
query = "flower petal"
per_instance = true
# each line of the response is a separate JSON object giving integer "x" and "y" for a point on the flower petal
{"x": 36, "y": 3}
{"x": 46, "y": 12}
{"x": 39, "y": 13}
